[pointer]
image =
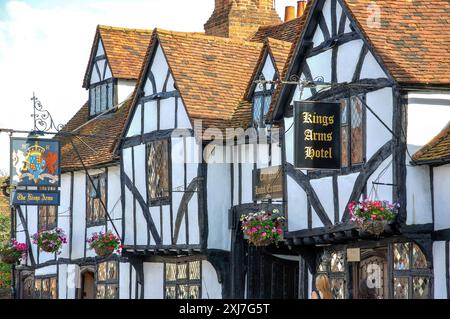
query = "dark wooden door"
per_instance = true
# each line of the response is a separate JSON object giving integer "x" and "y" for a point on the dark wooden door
{"x": 370, "y": 278}
{"x": 270, "y": 277}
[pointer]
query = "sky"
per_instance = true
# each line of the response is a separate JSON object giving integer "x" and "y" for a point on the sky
{"x": 45, "y": 47}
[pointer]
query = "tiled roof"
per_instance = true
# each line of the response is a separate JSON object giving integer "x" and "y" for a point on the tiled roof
{"x": 125, "y": 50}
{"x": 286, "y": 31}
{"x": 211, "y": 74}
{"x": 280, "y": 52}
{"x": 412, "y": 39}
{"x": 438, "y": 150}
{"x": 96, "y": 140}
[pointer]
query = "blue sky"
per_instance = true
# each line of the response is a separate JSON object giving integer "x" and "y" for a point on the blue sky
{"x": 45, "y": 46}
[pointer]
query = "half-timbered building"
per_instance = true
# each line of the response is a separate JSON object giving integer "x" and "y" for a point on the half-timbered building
{"x": 90, "y": 181}
{"x": 385, "y": 64}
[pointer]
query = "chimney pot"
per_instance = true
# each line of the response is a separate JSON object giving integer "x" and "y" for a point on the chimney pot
{"x": 301, "y": 5}
{"x": 289, "y": 13}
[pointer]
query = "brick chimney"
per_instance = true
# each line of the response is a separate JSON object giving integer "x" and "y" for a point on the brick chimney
{"x": 240, "y": 18}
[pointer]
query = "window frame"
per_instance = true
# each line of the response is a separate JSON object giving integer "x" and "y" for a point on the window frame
{"x": 110, "y": 84}
{"x": 261, "y": 95}
{"x": 41, "y": 279}
{"x": 46, "y": 225}
{"x": 107, "y": 282}
{"x": 166, "y": 200}
{"x": 185, "y": 282}
{"x": 89, "y": 210}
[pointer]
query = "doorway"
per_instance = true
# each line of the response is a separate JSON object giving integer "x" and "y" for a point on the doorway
{"x": 370, "y": 275}
{"x": 88, "y": 285}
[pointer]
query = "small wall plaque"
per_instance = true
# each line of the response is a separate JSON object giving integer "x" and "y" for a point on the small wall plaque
{"x": 353, "y": 255}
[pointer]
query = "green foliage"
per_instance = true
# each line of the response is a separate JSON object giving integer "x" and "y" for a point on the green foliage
{"x": 5, "y": 270}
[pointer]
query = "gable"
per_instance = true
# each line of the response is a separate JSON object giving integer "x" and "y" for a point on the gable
{"x": 100, "y": 69}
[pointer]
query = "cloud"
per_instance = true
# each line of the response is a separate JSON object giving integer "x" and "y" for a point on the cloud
{"x": 45, "y": 47}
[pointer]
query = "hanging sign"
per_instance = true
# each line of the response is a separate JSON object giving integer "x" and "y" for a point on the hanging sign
{"x": 268, "y": 183}
{"x": 35, "y": 162}
{"x": 36, "y": 198}
{"x": 317, "y": 136}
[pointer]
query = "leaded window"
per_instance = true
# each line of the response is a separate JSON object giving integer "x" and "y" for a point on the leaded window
{"x": 333, "y": 264}
{"x": 158, "y": 171}
{"x": 107, "y": 280}
{"x": 47, "y": 215}
{"x": 352, "y": 131}
{"x": 412, "y": 274}
{"x": 182, "y": 280}
{"x": 261, "y": 105}
{"x": 101, "y": 97}
{"x": 96, "y": 194}
{"x": 45, "y": 287}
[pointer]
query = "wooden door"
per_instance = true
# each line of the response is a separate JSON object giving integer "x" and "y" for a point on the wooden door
{"x": 270, "y": 277}
{"x": 88, "y": 285}
{"x": 27, "y": 286}
{"x": 370, "y": 278}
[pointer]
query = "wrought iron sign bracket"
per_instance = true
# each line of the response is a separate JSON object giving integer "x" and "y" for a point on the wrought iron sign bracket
{"x": 43, "y": 120}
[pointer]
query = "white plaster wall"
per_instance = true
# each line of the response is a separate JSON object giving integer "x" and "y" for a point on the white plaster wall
{"x": 167, "y": 114}
{"x": 320, "y": 65}
{"x": 428, "y": 114}
{"x": 348, "y": 55}
{"x": 219, "y": 235}
{"x": 418, "y": 195}
{"x": 73, "y": 280}
{"x": 440, "y": 286}
{"x": 154, "y": 281}
{"x": 150, "y": 116}
{"x": 324, "y": 191}
{"x": 381, "y": 192}
{"x": 140, "y": 182}
{"x": 135, "y": 125}
{"x": 268, "y": 71}
{"x": 159, "y": 68}
{"x": 64, "y": 212}
{"x": 79, "y": 215}
{"x": 345, "y": 186}
{"x": 442, "y": 197}
{"x": 133, "y": 283}
{"x": 211, "y": 288}
{"x": 114, "y": 203}
{"x": 167, "y": 226}
{"x": 125, "y": 89}
{"x": 177, "y": 181}
{"x": 289, "y": 138}
{"x": 183, "y": 118}
{"x": 297, "y": 206}
{"x": 381, "y": 102}
{"x": 124, "y": 280}
{"x": 371, "y": 69}
{"x": 62, "y": 281}
{"x": 49, "y": 270}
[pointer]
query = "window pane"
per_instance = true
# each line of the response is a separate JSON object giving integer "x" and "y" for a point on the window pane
{"x": 183, "y": 292}
{"x": 401, "y": 288}
{"x": 112, "y": 270}
{"x": 344, "y": 146}
{"x": 110, "y": 95}
{"x": 111, "y": 292}
{"x": 182, "y": 271}
{"x": 337, "y": 262}
{"x": 421, "y": 288}
{"x": 53, "y": 288}
{"x": 97, "y": 99}
{"x": 101, "y": 273}
{"x": 37, "y": 288}
{"x": 194, "y": 270}
{"x": 401, "y": 256}
{"x": 101, "y": 291}
{"x": 267, "y": 101}
{"x": 338, "y": 288}
{"x": 357, "y": 130}
{"x": 344, "y": 111}
{"x": 158, "y": 170}
{"x": 92, "y": 102}
{"x": 171, "y": 292}
{"x": 194, "y": 292}
{"x": 103, "y": 103}
{"x": 419, "y": 261}
{"x": 257, "y": 104}
{"x": 171, "y": 272}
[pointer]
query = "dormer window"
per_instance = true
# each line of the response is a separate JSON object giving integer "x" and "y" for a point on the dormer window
{"x": 261, "y": 104}
{"x": 101, "y": 97}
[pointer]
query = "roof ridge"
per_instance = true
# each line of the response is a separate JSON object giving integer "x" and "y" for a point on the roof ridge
{"x": 203, "y": 36}
{"x": 269, "y": 26}
{"x": 108, "y": 27}
{"x": 277, "y": 41}
{"x": 441, "y": 136}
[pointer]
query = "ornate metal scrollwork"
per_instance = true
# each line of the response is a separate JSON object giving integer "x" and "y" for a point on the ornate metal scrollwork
{"x": 43, "y": 121}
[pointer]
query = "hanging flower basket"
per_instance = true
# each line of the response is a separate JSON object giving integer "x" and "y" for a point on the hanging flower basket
{"x": 263, "y": 228}
{"x": 50, "y": 241}
{"x": 372, "y": 217}
{"x": 12, "y": 252}
{"x": 104, "y": 244}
